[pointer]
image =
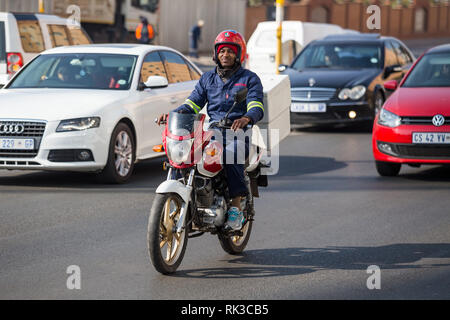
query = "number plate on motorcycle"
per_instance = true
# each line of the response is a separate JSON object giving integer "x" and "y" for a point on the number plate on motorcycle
{"x": 16, "y": 144}
{"x": 431, "y": 137}
{"x": 308, "y": 107}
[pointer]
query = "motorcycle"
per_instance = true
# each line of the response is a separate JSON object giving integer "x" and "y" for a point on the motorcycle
{"x": 195, "y": 199}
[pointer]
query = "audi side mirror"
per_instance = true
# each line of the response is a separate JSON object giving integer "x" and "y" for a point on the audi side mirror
{"x": 154, "y": 82}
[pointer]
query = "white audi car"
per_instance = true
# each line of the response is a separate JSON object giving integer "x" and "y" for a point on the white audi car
{"x": 91, "y": 108}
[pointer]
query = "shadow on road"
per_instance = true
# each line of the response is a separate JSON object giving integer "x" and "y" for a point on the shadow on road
{"x": 299, "y": 165}
{"x": 335, "y": 129}
{"x": 148, "y": 173}
{"x": 296, "y": 261}
{"x": 425, "y": 173}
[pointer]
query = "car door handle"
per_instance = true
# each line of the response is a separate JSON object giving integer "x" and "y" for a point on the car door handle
{"x": 173, "y": 100}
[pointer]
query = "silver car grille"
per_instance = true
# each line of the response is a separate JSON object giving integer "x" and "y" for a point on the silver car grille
{"x": 312, "y": 94}
{"x": 21, "y": 129}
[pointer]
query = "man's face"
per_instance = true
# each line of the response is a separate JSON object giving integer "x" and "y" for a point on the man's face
{"x": 227, "y": 57}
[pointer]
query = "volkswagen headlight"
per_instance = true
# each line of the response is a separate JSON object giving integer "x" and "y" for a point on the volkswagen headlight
{"x": 78, "y": 124}
{"x": 388, "y": 119}
{"x": 354, "y": 93}
{"x": 179, "y": 151}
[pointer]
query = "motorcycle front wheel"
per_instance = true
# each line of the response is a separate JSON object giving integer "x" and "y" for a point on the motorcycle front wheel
{"x": 166, "y": 247}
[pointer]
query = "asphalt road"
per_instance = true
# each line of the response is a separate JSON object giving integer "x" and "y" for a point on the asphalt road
{"x": 324, "y": 219}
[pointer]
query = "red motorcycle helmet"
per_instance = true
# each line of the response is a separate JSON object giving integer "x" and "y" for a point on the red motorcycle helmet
{"x": 234, "y": 38}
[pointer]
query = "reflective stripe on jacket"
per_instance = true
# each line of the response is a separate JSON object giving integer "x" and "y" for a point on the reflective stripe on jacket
{"x": 219, "y": 96}
{"x": 150, "y": 33}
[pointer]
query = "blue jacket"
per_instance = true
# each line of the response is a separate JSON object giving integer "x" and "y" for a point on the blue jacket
{"x": 219, "y": 96}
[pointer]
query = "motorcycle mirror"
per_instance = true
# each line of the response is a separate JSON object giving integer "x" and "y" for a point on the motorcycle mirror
{"x": 241, "y": 95}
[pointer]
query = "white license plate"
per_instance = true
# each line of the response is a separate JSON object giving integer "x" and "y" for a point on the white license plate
{"x": 308, "y": 107}
{"x": 16, "y": 144}
{"x": 431, "y": 137}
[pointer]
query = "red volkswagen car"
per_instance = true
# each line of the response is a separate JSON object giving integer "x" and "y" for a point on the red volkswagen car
{"x": 413, "y": 127}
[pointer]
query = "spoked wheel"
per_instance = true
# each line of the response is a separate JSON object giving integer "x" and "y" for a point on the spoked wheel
{"x": 378, "y": 103}
{"x": 166, "y": 246}
{"x": 121, "y": 156}
{"x": 236, "y": 244}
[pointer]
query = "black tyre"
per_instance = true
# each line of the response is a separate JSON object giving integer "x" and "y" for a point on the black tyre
{"x": 121, "y": 156}
{"x": 236, "y": 244}
{"x": 166, "y": 247}
{"x": 377, "y": 103}
{"x": 387, "y": 169}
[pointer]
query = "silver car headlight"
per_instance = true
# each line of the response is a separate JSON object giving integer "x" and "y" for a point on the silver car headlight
{"x": 179, "y": 151}
{"x": 78, "y": 124}
{"x": 354, "y": 93}
{"x": 389, "y": 119}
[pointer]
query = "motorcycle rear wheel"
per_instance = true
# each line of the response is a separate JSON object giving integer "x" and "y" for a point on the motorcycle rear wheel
{"x": 236, "y": 244}
{"x": 166, "y": 247}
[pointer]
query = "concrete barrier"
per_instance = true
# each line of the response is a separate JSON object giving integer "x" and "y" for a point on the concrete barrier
{"x": 277, "y": 102}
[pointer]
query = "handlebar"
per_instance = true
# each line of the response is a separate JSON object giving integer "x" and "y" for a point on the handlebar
{"x": 162, "y": 121}
{"x": 217, "y": 125}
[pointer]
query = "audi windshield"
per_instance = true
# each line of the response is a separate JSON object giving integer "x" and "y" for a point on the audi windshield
{"x": 77, "y": 71}
{"x": 433, "y": 70}
{"x": 340, "y": 56}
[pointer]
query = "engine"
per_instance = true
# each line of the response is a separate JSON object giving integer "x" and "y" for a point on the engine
{"x": 211, "y": 207}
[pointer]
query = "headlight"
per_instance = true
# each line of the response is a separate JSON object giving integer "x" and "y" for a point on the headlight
{"x": 354, "y": 93}
{"x": 78, "y": 124}
{"x": 344, "y": 94}
{"x": 388, "y": 119}
{"x": 179, "y": 151}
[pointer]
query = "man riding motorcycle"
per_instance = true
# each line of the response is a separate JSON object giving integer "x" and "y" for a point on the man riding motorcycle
{"x": 217, "y": 89}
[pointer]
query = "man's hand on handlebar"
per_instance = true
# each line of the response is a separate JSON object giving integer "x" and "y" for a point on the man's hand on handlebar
{"x": 162, "y": 119}
{"x": 240, "y": 123}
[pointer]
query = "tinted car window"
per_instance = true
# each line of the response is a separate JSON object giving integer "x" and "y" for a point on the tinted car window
{"x": 177, "y": 70}
{"x": 31, "y": 36}
{"x": 390, "y": 56}
{"x": 78, "y": 36}
{"x": 432, "y": 70}
{"x": 77, "y": 71}
{"x": 58, "y": 34}
{"x": 402, "y": 57}
{"x": 344, "y": 56}
{"x": 152, "y": 66}
{"x": 194, "y": 74}
{"x": 409, "y": 59}
{"x": 2, "y": 42}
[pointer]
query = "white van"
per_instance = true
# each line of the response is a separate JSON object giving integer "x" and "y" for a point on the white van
{"x": 24, "y": 35}
{"x": 262, "y": 45}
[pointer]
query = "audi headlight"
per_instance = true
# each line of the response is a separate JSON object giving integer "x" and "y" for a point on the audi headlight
{"x": 78, "y": 124}
{"x": 179, "y": 151}
{"x": 354, "y": 93}
{"x": 388, "y": 119}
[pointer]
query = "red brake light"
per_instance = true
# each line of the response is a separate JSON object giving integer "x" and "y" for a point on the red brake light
{"x": 15, "y": 62}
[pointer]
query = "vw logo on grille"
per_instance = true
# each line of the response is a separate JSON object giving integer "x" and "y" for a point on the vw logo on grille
{"x": 12, "y": 128}
{"x": 438, "y": 120}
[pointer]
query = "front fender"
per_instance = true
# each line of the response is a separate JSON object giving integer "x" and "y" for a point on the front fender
{"x": 174, "y": 186}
